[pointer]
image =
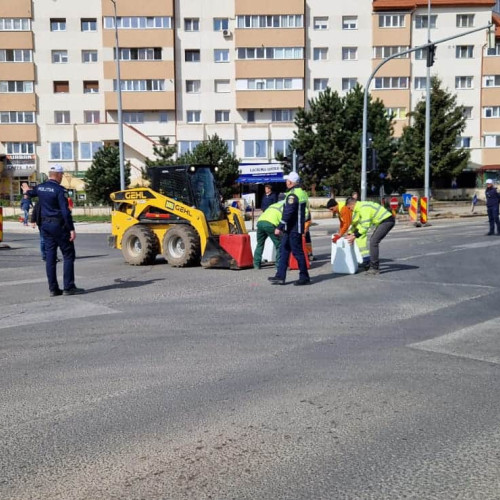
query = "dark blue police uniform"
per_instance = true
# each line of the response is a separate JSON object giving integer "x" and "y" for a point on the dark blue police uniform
{"x": 292, "y": 226}
{"x": 57, "y": 223}
{"x": 492, "y": 201}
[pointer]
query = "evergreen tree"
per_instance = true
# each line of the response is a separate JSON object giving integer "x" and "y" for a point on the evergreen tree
{"x": 163, "y": 155}
{"x": 446, "y": 160}
{"x": 328, "y": 140}
{"x": 214, "y": 152}
{"x": 103, "y": 176}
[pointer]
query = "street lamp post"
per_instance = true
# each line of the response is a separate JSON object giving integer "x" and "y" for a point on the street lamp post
{"x": 428, "y": 108}
{"x": 120, "y": 111}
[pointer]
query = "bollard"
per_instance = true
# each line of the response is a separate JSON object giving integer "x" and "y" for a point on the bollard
{"x": 1, "y": 224}
{"x": 413, "y": 209}
{"x": 423, "y": 210}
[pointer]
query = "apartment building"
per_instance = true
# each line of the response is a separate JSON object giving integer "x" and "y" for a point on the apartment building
{"x": 237, "y": 68}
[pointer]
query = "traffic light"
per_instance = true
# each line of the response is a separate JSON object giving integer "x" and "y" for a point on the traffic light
{"x": 431, "y": 53}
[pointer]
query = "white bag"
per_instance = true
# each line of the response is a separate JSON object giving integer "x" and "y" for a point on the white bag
{"x": 344, "y": 259}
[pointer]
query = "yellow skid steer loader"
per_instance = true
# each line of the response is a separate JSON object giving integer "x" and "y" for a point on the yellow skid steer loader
{"x": 180, "y": 216}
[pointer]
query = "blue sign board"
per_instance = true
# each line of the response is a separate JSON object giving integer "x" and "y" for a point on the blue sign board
{"x": 407, "y": 199}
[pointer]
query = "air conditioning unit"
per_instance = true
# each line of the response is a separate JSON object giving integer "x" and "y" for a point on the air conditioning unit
{"x": 226, "y": 33}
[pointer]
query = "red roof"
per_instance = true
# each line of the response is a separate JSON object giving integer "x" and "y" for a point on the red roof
{"x": 413, "y": 4}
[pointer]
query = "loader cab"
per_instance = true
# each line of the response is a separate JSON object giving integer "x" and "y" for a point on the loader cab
{"x": 192, "y": 185}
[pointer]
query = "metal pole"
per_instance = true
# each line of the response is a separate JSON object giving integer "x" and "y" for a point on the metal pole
{"x": 428, "y": 111}
{"x": 120, "y": 111}
{"x": 367, "y": 88}
{"x": 294, "y": 161}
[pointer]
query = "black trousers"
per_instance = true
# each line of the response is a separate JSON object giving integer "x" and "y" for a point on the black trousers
{"x": 378, "y": 235}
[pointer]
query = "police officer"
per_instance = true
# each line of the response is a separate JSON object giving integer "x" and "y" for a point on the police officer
{"x": 57, "y": 229}
{"x": 291, "y": 228}
{"x": 492, "y": 201}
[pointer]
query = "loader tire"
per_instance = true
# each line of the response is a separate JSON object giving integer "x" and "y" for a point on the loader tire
{"x": 139, "y": 246}
{"x": 181, "y": 246}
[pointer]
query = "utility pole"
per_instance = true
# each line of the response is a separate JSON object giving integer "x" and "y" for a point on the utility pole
{"x": 430, "y": 61}
{"x": 120, "y": 110}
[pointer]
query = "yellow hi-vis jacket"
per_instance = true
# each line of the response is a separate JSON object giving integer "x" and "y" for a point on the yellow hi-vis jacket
{"x": 273, "y": 213}
{"x": 367, "y": 214}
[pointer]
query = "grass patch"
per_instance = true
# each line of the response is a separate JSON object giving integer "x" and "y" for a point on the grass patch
{"x": 76, "y": 218}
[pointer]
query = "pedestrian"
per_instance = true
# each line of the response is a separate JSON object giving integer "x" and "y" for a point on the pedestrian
{"x": 492, "y": 201}
{"x": 25, "y": 207}
{"x": 366, "y": 214}
{"x": 291, "y": 229}
{"x": 57, "y": 229}
{"x": 266, "y": 225}
{"x": 269, "y": 197}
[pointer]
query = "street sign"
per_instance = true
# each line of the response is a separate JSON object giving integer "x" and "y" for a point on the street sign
{"x": 407, "y": 199}
{"x": 394, "y": 203}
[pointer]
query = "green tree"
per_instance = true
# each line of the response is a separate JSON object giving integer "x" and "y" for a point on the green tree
{"x": 328, "y": 140}
{"x": 163, "y": 155}
{"x": 103, "y": 176}
{"x": 214, "y": 152}
{"x": 447, "y": 125}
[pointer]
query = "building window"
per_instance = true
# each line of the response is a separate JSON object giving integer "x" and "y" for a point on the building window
{"x": 383, "y": 51}
{"x": 491, "y": 112}
{"x": 463, "y": 142}
{"x": 91, "y": 87}
{"x": 420, "y": 54}
{"x": 349, "y": 53}
{"x": 464, "y": 82}
{"x": 320, "y": 83}
{"x": 464, "y": 51}
{"x": 20, "y": 148}
{"x": 16, "y": 55}
{"x": 89, "y": 149}
{"x": 349, "y": 84}
{"x": 282, "y": 115}
{"x": 163, "y": 116}
{"x": 396, "y": 113}
{"x": 270, "y": 84}
{"x": 221, "y": 23}
{"x": 193, "y": 116}
{"x": 15, "y": 24}
{"x": 421, "y": 22}
{"x": 61, "y": 150}
{"x": 89, "y": 56}
{"x": 271, "y": 53}
{"x": 91, "y": 117}
{"x": 251, "y": 116}
{"x": 59, "y": 56}
{"x": 193, "y": 86}
{"x": 255, "y": 149}
{"x": 391, "y": 82}
{"x": 140, "y": 54}
{"x": 272, "y": 21}
{"x": 495, "y": 51}
{"x": 465, "y": 20}
{"x": 133, "y": 116}
{"x": 221, "y": 55}
{"x": 391, "y": 21}
{"x": 15, "y": 87}
{"x": 221, "y": 116}
{"x": 349, "y": 22}
{"x": 62, "y": 117}
{"x": 320, "y": 53}
{"x": 17, "y": 117}
{"x": 420, "y": 83}
{"x": 191, "y": 24}
{"x": 491, "y": 81}
{"x": 192, "y": 55}
{"x": 58, "y": 24}
{"x": 187, "y": 146}
{"x": 467, "y": 112}
{"x": 280, "y": 147}
{"x": 88, "y": 24}
{"x": 320, "y": 23}
{"x": 492, "y": 141}
{"x": 140, "y": 85}
{"x": 61, "y": 87}
{"x": 222, "y": 86}
{"x": 138, "y": 22}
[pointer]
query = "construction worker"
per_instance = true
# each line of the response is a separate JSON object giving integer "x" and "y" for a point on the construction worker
{"x": 344, "y": 215}
{"x": 266, "y": 225}
{"x": 366, "y": 214}
{"x": 291, "y": 228}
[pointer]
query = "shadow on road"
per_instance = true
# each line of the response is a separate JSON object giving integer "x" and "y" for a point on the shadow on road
{"x": 391, "y": 266}
{"x": 92, "y": 256}
{"x": 122, "y": 284}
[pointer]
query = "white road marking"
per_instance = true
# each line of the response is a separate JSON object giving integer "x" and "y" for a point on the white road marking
{"x": 48, "y": 311}
{"x": 23, "y": 282}
{"x": 479, "y": 342}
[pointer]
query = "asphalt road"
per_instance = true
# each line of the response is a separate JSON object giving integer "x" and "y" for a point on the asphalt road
{"x": 164, "y": 383}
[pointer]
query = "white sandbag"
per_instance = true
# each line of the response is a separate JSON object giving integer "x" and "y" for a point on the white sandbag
{"x": 269, "y": 253}
{"x": 344, "y": 259}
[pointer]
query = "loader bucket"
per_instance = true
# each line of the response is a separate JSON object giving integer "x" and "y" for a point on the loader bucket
{"x": 215, "y": 257}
